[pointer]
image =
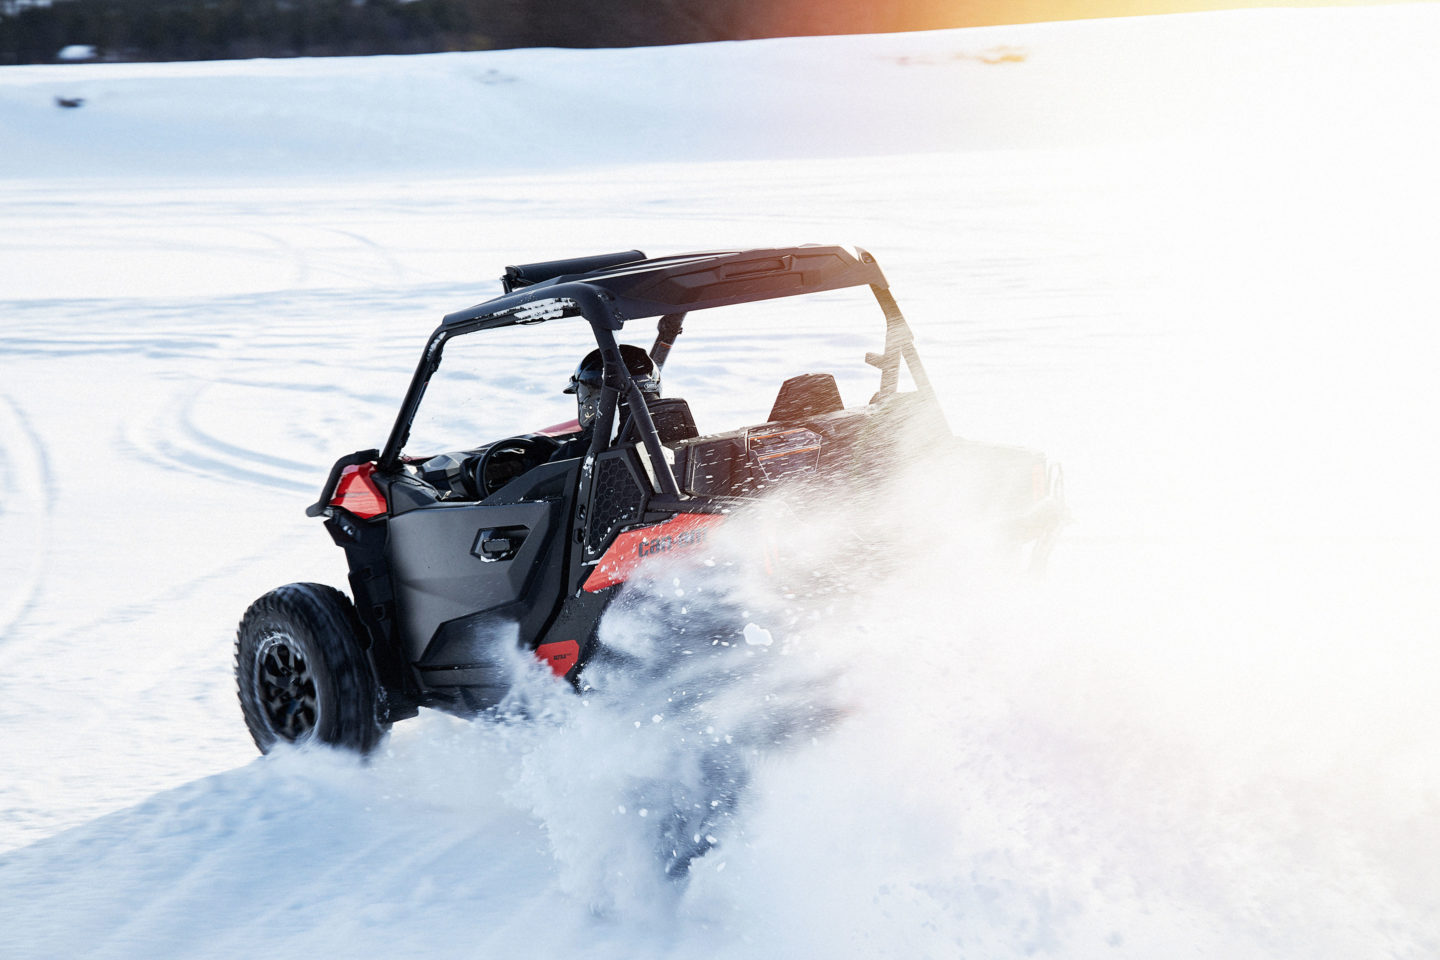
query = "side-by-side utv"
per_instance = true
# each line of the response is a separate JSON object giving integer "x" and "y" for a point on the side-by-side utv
{"x": 459, "y": 559}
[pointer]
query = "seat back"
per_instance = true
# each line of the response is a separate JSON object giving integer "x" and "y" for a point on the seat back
{"x": 673, "y": 422}
{"x": 805, "y": 396}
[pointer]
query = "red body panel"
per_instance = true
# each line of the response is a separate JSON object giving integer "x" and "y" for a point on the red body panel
{"x": 561, "y": 655}
{"x": 682, "y": 532}
{"x": 565, "y": 429}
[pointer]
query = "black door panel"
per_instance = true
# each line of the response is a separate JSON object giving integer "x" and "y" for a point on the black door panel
{"x": 489, "y": 564}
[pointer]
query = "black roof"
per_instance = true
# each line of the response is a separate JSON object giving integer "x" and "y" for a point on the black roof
{"x": 610, "y": 289}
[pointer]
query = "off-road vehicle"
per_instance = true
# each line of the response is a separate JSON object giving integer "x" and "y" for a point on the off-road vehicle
{"x": 458, "y": 559}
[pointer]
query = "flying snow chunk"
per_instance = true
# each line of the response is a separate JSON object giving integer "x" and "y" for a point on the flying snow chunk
{"x": 757, "y": 636}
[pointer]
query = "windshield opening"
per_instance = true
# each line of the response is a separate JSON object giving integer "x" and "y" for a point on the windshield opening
{"x": 499, "y": 383}
{"x": 728, "y": 365}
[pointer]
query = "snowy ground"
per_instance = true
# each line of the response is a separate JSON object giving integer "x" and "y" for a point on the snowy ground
{"x": 1191, "y": 258}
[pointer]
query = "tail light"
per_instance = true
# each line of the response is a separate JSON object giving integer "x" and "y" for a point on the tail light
{"x": 357, "y": 492}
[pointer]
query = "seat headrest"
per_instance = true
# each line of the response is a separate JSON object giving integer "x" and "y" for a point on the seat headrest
{"x": 673, "y": 421}
{"x": 805, "y": 396}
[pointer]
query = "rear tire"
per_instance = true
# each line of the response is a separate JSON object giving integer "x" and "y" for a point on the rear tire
{"x": 302, "y": 674}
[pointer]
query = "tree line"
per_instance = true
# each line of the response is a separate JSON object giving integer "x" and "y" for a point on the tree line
{"x": 231, "y": 29}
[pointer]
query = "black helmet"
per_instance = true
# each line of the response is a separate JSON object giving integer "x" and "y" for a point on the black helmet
{"x": 589, "y": 376}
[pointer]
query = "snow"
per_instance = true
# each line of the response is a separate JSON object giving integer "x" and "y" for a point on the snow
{"x": 1188, "y": 257}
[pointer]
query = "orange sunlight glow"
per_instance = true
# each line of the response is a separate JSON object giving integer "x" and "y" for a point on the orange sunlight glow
{"x": 935, "y": 14}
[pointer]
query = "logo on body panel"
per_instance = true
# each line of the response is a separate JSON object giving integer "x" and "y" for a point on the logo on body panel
{"x": 561, "y": 655}
{"x": 681, "y": 532}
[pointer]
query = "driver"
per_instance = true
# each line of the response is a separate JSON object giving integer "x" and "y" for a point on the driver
{"x": 587, "y": 382}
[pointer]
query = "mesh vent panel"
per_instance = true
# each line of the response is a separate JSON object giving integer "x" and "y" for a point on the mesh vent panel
{"x": 616, "y": 501}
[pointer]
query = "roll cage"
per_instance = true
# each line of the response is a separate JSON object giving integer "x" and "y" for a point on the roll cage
{"x": 610, "y": 290}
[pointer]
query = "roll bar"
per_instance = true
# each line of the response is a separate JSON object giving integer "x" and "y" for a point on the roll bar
{"x": 610, "y": 289}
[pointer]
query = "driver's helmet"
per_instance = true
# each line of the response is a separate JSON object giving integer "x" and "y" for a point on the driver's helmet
{"x": 588, "y": 379}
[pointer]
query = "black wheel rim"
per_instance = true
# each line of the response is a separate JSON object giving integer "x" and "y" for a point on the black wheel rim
{"x": 285, "y": 688}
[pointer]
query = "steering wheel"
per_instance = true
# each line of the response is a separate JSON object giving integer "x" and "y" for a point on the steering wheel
{"x": 504, "y": 460}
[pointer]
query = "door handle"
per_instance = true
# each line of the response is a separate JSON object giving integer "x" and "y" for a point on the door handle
{"x": 499, "y": 543}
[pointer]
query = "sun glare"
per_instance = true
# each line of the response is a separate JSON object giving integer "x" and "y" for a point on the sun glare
{"x": 966, "y": 13}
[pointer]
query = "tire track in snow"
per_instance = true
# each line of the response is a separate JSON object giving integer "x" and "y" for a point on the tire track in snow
{"x": 314, "y": 264}
{"x": 297, "y": 257}
{"x": 174, "y": 441}
{"x": 175, "y": 593}
{"x": 380, "y": 252}
{"x": 156, "y": 345}
{"x": 24, "y": 513}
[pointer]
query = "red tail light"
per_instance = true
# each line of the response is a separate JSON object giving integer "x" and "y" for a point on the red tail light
{"x": 358, "y": 493}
